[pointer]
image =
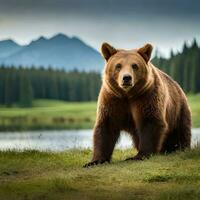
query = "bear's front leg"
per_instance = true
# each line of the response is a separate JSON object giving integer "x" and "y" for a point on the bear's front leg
{"x": 104, "y": 140}
{"x": 151, "y": 135}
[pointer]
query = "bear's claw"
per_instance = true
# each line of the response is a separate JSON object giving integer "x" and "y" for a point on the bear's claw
{"x": 95, "y": 162}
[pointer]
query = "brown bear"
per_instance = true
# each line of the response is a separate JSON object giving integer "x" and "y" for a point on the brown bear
{"x": 142, "y": 100}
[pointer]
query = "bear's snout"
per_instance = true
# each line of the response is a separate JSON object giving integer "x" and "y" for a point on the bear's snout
{"x": 127, "y": 79}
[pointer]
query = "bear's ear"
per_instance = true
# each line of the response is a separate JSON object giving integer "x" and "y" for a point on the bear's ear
{"x": 145, "y": 52}
{"x": 107, "y": 50}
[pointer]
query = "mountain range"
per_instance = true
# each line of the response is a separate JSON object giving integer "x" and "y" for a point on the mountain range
{"x": 59, "y": 51}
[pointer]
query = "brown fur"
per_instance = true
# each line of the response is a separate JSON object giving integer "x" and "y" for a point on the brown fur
{"x": 153, "y": 109}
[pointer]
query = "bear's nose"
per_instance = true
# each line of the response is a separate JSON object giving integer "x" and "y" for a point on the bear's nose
{"x": 127, "y": 78}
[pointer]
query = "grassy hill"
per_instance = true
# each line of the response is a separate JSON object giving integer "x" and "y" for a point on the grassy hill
{"x": 43, "y": 175}
{"x": 52, "y": 114}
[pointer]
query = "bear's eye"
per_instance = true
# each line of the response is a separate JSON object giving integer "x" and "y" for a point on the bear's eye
{"x": 118, "y": 66}
{"x": 134, "y": 66}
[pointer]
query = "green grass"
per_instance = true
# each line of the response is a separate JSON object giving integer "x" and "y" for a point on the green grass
{"x": 43, "y": 175}
{"x": 194, "y": 101}
{"x": 52, "y": 114}
{"x": 49, "y": 114}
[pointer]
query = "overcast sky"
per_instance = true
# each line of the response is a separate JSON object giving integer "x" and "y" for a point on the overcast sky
{"x": 123, "y": 23}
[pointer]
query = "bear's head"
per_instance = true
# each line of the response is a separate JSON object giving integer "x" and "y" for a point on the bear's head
{"x": 125, "y": 69}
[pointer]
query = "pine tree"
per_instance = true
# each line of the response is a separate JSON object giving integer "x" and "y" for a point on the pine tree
{"x": 26, "y": 93}
{"x": 8, "y": 89}
{"x": 2, "y": 85}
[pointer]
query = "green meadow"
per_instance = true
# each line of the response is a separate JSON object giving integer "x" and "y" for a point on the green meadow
{"x": 194, "y": 102}
{"x": 52, "y": 114}
{"x": 48, "y": 114}
{"x": 32, "y": 175}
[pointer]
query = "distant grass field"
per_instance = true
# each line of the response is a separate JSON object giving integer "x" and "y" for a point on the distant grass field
{"x": 32, "y": 175}
{"x": 48, "y": 114}
{"x": 52, "y": 114}
{"x": 194, "y": 101}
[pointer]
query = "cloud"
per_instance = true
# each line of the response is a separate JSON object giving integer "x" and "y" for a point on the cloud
{"x": 102, "y": 8}
{"x": 126, "y": 23}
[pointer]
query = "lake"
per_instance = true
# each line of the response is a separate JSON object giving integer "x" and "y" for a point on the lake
{"x": 62, "y": 140}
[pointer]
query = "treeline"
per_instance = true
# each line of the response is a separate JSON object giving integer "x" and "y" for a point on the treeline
{"x": 183, "y": 67}
{"x": 22, "y": 85}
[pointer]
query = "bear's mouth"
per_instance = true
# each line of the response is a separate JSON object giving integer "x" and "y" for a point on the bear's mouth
{"x": 126, "y": 86}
